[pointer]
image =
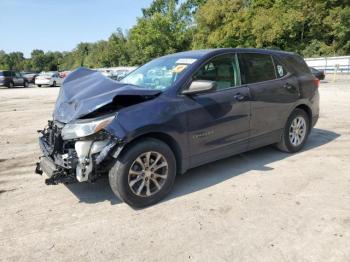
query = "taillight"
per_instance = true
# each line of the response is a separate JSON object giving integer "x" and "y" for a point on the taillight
{"x": 316, "y": 82}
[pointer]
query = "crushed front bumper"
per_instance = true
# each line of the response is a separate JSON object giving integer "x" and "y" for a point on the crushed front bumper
{"x": 75, "y": 160}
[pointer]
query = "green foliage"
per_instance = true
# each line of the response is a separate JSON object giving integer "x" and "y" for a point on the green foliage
{"x": 163, "y": 30}
{"x": 311, "y": 28}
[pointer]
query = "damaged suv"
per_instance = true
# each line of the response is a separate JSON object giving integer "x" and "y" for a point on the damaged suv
{"x": 175, "y": 113}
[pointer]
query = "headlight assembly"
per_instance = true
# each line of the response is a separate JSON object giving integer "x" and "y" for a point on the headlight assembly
{"x": 82, "y": 128}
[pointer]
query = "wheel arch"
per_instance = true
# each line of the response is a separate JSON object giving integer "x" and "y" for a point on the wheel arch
{"x": 307, "y": 109}
{"x": 165, "y": 138}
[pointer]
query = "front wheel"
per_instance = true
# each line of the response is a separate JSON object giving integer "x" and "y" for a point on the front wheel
{"x": 54, "y": 84}
{"x": 143, "y": 174}
{"x": 25, "y": 84}
{"x": 295, "y": 132}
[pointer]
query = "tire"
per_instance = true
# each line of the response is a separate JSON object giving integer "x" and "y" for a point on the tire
{"x": 11, "y": 85}
{"x": 121, "y": 181}
{"x": 25, "y": 84}
{"x": 39, "y": 85}
{"x": 54, "y": 84}
{"x": 287, "y": 143}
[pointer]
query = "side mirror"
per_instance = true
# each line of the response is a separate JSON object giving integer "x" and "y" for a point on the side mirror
{"x": 200, "y": 86}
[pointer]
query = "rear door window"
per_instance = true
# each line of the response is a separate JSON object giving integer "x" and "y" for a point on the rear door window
{"x": 256, "y": 68}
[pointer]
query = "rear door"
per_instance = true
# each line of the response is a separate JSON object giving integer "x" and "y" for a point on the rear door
{"x": 273, "y": 92}
{"x": 218, "y": 122}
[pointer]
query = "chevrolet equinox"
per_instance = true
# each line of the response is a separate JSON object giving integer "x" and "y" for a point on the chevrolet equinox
{"x": 174, "y": 113}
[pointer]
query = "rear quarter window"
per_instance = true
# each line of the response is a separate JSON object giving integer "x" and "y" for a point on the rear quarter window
{"x": 256, "y": 68}
{"x": 298, "y": 64}
{"x": 281, "y": 70}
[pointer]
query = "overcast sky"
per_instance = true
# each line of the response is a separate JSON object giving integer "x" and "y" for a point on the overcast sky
{"x": 59, "y": 25}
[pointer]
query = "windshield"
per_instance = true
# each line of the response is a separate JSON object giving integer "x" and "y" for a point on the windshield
{"x": 160, "y": 73}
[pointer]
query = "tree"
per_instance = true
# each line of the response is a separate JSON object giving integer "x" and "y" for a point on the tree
{"x": 38, "y": 60}
{"x": 15, "y": 60}
{"x": 3, "y": 60}
{"x": 311, "y": 28}
{"x": 162, "y": 30}
{"x": 314, "y": 27}
{"x": 117, "y": 49}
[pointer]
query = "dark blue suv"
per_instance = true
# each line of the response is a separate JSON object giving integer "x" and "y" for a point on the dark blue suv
{"x": 175, "y": 113}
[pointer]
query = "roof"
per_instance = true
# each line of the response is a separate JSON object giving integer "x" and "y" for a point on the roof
{"x": 204, "y": 52}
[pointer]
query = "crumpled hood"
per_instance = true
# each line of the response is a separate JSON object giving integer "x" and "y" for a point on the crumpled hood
{"x": 84, "y": 91}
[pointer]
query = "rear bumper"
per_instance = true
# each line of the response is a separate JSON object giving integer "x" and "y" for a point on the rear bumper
{"x": 314, "y": 120}
{"x": 42, "y": 82}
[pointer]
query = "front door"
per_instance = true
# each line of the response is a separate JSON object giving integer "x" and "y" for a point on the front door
{"x": 218, "y": 122}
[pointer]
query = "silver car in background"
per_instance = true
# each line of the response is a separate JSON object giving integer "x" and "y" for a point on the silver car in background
{"x": 51, "y": 78}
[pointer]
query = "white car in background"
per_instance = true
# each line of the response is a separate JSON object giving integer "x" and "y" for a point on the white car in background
{"x": 116, "y": 73}
{"x": 51, "y": 78}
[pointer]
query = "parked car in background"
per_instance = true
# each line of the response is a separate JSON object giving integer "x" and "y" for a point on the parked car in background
{"x": 116, "y": 73}
{"x": 175, "y": 113}
{"x": 12, "y": 78}
{"x": 30, "y": 76}
{"x": 64, "y": 74}
{"x": 318, "y": 73}
{"x": 51, "y": 78}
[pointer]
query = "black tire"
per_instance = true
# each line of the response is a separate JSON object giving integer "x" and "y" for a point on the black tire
{"x": 285, "y": 144}
{"x": 11, "y": 85}
{"x": 39, "y": 85}
{"x": 119, "y": 173}
{"x": 25, "y": 84}
{"x": 54, "y": 84}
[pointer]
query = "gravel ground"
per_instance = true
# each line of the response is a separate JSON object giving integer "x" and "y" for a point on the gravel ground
{"x": 263, "y": 205}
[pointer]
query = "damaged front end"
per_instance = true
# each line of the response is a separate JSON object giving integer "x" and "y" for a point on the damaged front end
{"x": 69, "y": 159}
{"x": 76, "y": 145}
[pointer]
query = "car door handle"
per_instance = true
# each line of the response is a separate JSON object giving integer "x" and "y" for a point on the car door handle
{"x": 239, "y": 97}
{"x": 288, "y": 86}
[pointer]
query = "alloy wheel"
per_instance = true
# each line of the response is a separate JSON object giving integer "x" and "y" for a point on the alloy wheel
{"x": 297, "y": 131}
{"x": 148, "y": 174}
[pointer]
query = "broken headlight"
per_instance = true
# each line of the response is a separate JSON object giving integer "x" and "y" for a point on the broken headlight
{"x": 86, "y": 127}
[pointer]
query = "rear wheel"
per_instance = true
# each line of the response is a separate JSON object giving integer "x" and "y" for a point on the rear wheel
{"x": 144, "y": 174}
{"x": 11, "y": 85}
{"x": 54, "y": 84}
{"x": 39, "y": 85}
{"x": 25, "y": 84}
{"x": 295, "y": 132}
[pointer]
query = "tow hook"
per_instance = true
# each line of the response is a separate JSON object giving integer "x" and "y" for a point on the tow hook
{"x": 38, "y": 169}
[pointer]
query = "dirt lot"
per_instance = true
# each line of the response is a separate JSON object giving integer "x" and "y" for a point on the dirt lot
{"x": 259, "y": 206}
